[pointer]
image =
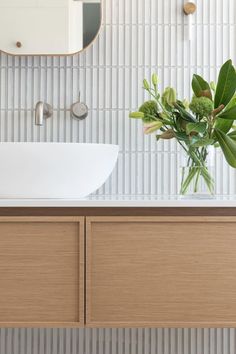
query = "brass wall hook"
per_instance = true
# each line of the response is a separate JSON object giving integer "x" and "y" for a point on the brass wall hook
{"x": 190, "y": 8}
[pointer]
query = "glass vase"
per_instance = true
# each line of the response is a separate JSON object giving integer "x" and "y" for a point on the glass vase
{"x": 198, "y": 173}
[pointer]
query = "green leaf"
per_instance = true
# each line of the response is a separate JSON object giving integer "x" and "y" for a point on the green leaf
{"x": 201, "y": 87}
{"x": 196, "y": 127}
{"x": 225, "y": 124}
{"x": 226, "y": 84}
{"x": 184, "y": 114}
{"x": 228, "y": 146}
{"x": 181, "y": 104}
{"x": 202, "y": 142}
{"x": 182, "y": 137}
{"x": 231, "y": 103}
{"x": 232, "y": 135}
{"x": 228, "y": 114}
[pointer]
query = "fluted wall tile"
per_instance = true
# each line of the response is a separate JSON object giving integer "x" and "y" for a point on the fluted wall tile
{"x": 117, "y": 341}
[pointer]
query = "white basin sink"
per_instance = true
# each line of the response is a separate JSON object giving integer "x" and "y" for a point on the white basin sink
{"x": 54, "y": 170}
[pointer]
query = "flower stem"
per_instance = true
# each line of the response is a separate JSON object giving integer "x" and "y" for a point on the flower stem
{"x": 197, "y": 169}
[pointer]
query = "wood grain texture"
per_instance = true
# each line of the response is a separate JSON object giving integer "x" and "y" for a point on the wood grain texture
{"x": 41, "y": 271}
{"x": 161, "y": 272}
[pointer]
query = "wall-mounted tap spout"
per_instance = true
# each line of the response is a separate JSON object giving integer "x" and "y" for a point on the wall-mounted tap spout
{"x": 42, "y": 111}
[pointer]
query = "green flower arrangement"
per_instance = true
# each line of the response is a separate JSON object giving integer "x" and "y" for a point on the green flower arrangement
{"x": 207, "y": 121}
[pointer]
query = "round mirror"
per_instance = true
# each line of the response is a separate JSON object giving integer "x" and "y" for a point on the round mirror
{"x": 48, "y": 27}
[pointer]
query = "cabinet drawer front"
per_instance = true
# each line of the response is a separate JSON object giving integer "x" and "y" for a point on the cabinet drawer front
{"x": 41, "y": 271}
{"x": 161, "y": 271}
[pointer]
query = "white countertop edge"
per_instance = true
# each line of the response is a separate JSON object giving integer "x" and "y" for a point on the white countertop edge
{"x": 58, "y": 203}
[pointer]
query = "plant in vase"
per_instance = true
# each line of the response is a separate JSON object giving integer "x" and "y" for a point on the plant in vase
{"x": 208, "y": 121}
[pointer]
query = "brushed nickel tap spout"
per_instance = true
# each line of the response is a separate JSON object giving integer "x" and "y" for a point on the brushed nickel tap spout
{"x": 42, "y": 111}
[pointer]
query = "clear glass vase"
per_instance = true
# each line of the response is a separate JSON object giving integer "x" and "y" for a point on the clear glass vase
{"x": 198, "y": 173}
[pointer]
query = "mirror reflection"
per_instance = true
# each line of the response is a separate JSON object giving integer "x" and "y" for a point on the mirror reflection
{"x": 48, "y": 27}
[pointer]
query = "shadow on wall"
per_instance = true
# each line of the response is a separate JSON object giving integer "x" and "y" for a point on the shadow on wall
{"x": 92, "y": 22}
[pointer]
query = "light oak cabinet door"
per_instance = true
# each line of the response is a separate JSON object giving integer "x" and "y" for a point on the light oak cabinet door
{"x": 161, "y": 271}
{"x": 41, "y": 271}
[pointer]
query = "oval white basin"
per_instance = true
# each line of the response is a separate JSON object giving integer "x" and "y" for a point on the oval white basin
{"x": 54, "y": 170}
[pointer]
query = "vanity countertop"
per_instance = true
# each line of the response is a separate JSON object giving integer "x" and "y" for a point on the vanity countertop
{"x": 123, "y": 202}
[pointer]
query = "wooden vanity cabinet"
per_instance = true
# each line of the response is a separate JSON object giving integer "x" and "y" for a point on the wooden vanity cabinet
{"x": 161, "y": 271}
{"x": 117, "y": 271}
{"x": 41, "y": 271}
